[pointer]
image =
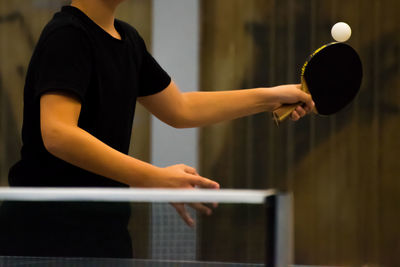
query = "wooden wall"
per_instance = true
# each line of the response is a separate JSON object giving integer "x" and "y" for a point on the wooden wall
{"x": 343, "y": 170}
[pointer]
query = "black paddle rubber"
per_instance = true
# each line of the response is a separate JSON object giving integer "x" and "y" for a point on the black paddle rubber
{"x": 333, "y": 76}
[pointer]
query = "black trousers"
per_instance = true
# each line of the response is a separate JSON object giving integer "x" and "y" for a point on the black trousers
{"x": 43, "y": 229}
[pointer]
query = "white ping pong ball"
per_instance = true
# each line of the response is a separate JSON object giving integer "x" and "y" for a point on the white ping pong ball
{"x": 341, "y": 32}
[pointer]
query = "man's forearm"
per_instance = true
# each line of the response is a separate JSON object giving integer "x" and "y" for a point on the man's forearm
{"x": 203, "y": 108}
{"x": 78, "y": 147}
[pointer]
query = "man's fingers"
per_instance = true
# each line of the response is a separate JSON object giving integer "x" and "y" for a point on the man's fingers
{"x": 180, "y": 208}
{"x": 300, "y": 110}
{"x": 295, "y": 116}
{"x": 307, "y": 100}
{"x": 309, "y": 108}
{"x": 201, "y": 208}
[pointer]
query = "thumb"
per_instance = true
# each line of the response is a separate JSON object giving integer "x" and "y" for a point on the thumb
{"x": 203, "y": 182}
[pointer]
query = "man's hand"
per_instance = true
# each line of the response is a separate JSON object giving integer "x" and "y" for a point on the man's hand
{"x": 182, "y": 176}
{"x": 290, "y": 94}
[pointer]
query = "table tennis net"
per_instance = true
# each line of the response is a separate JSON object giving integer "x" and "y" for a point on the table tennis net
{"x": 240, "y": 232}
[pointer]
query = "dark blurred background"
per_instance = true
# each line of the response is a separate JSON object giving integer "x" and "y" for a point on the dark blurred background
{"x": 343, "y": 170}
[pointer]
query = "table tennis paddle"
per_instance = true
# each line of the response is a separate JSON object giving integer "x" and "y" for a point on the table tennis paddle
{"x": 332, "y": 75}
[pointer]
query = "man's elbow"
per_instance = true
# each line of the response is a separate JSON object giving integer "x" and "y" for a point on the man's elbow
{"x": 182, "y": 123}
{"x": 177, "y": 120}
{"x": 178, "y": 125}
{"x": 52, "y": 138}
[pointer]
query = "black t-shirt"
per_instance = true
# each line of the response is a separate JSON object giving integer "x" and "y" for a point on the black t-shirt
{"x": 75, "y": 55}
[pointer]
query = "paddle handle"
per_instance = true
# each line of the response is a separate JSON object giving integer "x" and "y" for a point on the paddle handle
{"x": 281, "y": 113}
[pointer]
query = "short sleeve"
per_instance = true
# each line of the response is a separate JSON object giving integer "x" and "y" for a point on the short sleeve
{"x": 64, "y": 63}
{"x": 153, "y": 78}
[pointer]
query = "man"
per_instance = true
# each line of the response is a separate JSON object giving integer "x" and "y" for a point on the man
{"x": 85, "y": 76}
